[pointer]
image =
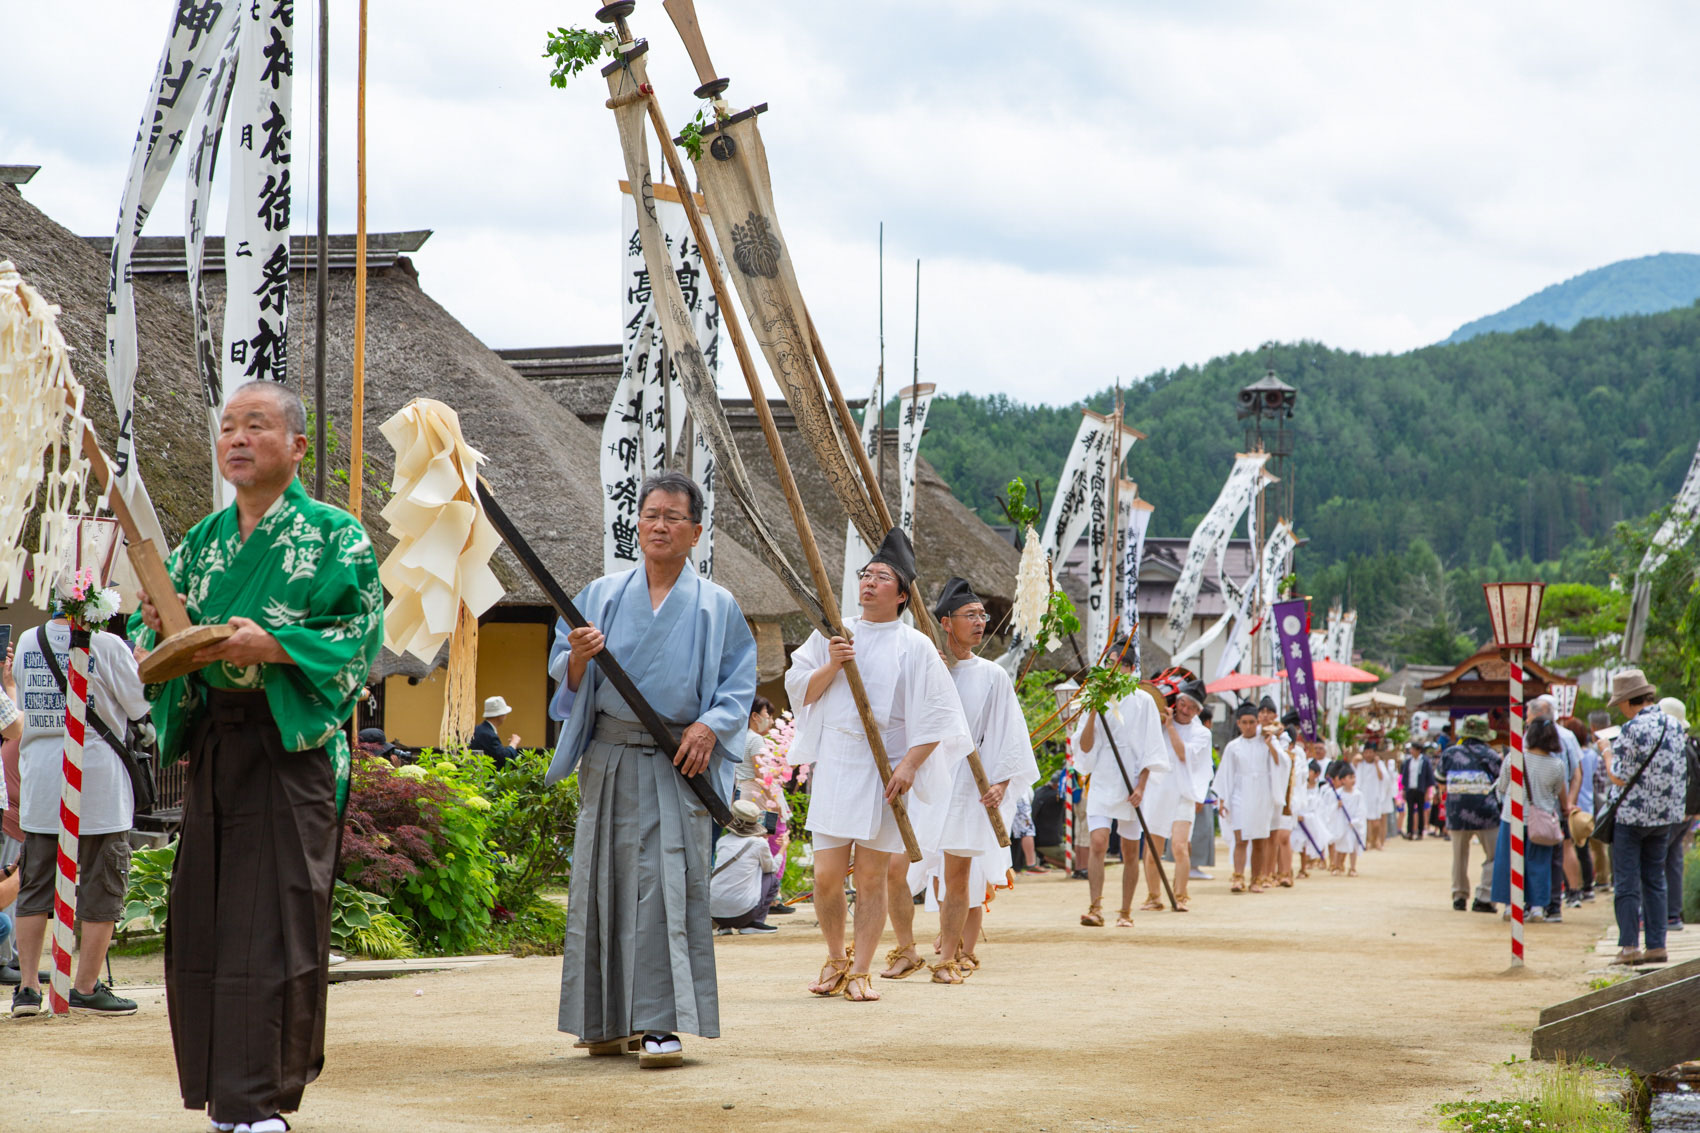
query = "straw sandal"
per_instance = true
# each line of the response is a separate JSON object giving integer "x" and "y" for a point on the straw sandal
{"x": 1238, "y": 884}
{"x": 1183, "y": 902}
{"x": 968, "y": 962}
{"x": 1352, "y": 872}
{"x": 1256, "y": 885}
{"x": 867, "y": 994}
{"x": 1285, "y": 881}
{"x": 1303, "y": 873}
{"x": 834, "y": 974}
{"x": 1124, "y": 918}
{"x": 1094, "y": 916}
{"x": 948, "y": 970}
{"x": 627, "y": 1045}
{"x": 909, "y": 956}
{"x": 1152, "y": 905}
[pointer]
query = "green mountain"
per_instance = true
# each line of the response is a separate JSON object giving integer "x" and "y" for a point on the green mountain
{"x": 1643, "y": 286}
{"x": 1535, "y": 441}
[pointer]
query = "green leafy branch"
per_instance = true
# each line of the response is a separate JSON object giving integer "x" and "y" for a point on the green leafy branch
{"x": 574, "y": 49}
{"x": 1058, "y": 621}
{"x": 690, "y": 134}
{"x": 1014, "y": 503}
{"x": 1105, "y": 685}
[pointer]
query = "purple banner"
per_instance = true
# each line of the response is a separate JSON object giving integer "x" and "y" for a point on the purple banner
{"x": 1292, "y": 623}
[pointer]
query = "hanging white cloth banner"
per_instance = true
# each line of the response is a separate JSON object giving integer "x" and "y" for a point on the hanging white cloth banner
{"x": 647, "y": 414}
{"x": 1103, "y": 544}
{"x": 1276, "y": 548}
{"x": 856, "y": 552}
{"x": 912, "y": 405}
{"x": 1132, "y": 554}
{"x": 194, "y": 36}
{"x": 1211, "y": 538}
{"x": 1238, "y": 621}
{"x": 206, "y": 131}
{"x": 256, "y": 233}
{"x": 1678, "y": 526}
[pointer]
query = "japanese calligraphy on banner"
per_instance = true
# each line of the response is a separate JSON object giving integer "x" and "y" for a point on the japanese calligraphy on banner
{"x": 206, "y": 130}
{"x": 1672, "y": 533}
{"x": 648, "y": 413}
{"x": 1071, "y": 502}
{"x": 194, "y": 36}
{"x": 1292, "y": 624}
{"x": 1276, "y": 548}
{"x": 1211, "y": 539}
{"x": 856, "y": 553}
{"x": 912, "y": 404}
{"x": 1132, "y": 551}
{"x": 256, "y": 231}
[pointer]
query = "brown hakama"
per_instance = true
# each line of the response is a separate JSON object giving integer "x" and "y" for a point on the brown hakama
{"x": 248, "y": 932}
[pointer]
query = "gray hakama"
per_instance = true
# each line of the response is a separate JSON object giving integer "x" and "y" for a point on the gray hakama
{"x": 639, "y": 952}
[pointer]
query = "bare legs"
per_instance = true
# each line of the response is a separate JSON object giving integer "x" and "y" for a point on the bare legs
{"x": 1180, "y": 845}
{"x": 95, "y": 938}
{"x": 953, "y": 909}
{"x": 1095, "y": 866}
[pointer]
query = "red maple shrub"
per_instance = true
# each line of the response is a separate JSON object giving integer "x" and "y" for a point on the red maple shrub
{"x": 391, "y": 823}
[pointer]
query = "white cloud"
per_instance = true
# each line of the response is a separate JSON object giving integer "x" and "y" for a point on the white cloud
{"x": 1095, "y": 189}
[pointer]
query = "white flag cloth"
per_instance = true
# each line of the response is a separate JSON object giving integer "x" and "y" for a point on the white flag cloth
{"x": 1672, "y": 533}
{"x": 256, "y": 233}
{"x": 647, "y": 415}
{"x": 1211, "y": 538}
{"x": 856, "y": 552}
{"x": 912, "y": 405}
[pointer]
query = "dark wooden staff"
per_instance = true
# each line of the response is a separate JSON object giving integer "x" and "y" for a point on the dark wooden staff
{"x": 651, "y": 720}
{"x": 1145, "y": 827}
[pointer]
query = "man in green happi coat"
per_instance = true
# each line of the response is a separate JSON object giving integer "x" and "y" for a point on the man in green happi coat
{"x": 262, "y": 726}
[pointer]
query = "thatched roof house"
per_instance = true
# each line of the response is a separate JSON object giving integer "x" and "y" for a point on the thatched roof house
{"x": 542, "y": 459}
{"x": 949, "y": 538}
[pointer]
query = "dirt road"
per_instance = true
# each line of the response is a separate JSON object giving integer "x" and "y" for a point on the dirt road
{"x": 1345, "y": 1004}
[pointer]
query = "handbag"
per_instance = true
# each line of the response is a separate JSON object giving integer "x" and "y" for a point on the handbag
{"x": 1606, "y": 825}
{"x": 139, "y": 764}
{"x": 1543, "y": 827}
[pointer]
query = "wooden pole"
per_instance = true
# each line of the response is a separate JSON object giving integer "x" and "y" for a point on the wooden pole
{"x": 1144, "y": 827}
{"x": 879, "y": 408}
{"x": 324, "y": 274}
{"x": 357, "y": 437}
{"x": 781, "y": 463}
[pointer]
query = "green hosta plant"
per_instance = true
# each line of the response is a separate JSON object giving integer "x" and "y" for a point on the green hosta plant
{"x": 361, "y": 922}
{"x": 149, "y": 889}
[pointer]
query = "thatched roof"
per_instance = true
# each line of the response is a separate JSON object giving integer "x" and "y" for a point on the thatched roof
{"x": 542, "y": 459}
{"x": 950, "y": 539}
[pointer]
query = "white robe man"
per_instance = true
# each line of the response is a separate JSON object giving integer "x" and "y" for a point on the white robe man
{"x": 1122, "y": 764}
{"x": 1245, "y": 797}
{"x": 1173, "y": 800}
{"x": 925, "y": 735}
{"x": 968, "y": 858}
{"x": 1278, "y": 862}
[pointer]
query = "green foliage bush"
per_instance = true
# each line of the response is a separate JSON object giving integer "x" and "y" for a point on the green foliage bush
{"x": 149, "y": 888}
{"x": 361, "y": 923}
{"x": 1691, "y": 887}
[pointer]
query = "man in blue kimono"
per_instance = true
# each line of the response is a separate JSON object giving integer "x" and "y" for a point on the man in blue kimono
{"x": 639, "y": 957}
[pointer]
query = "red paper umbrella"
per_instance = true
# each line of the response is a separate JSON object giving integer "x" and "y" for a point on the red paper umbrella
{"x": 1333, "y": 672}
{"x": 1234, "y": 682}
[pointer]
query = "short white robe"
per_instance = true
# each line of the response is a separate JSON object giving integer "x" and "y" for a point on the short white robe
{"x": 1282, "y": 787}
{"x": 1311, "y": 819}
{"x": 1245, "y": 783}
{"x": 959, "y": 825}
{"x": 914, "y": 702}
{"x": 1344, "y": 814}
{"x": 1136, "y": 728}
{"x": 1174, "y": 797}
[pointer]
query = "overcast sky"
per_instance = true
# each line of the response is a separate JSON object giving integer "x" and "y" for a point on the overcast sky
{"x": 1095, "y": 188}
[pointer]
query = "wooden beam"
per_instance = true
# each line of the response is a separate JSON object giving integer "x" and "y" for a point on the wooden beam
{"x": 1646, "y": 1030}
{"x": 1621, "y": 990}
{"x": 665, "y": 192}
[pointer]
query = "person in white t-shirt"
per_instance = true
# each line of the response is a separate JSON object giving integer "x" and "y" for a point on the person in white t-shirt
{"x": 744, "y": 880}
{"x": 103, "y": 848}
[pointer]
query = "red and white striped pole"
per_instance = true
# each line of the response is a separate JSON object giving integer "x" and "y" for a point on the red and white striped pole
{"x": 70, "y": 822}
{"x": 1519, "y": 795}
{"x": 1068, "y": 781}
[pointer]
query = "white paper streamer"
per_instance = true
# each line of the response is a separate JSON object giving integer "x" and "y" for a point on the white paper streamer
{"x": 912, "y": 405}
{"x": 856, "y": 552}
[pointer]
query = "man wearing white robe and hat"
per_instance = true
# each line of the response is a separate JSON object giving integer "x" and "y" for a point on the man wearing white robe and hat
{"x": 967, "y": 858}
{"x": 925, "y": 736}
{"x": 1122, "y": 753}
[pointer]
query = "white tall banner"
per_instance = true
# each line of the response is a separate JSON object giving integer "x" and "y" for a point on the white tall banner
{"x": 856, "y": 552}
{"x": 912, "y": 405}
{"x": 206, "y": 131}
{"x": 1672, "y": 533}
{"x": 1132, "y": 552}
{"x": 647, "y": 414}
{"x": 1211, "y": 538}
{"x": 1276, "y": 548}
{"x": 256, "y": 234}
{"x": 1071, "y": 502}
{"x": 194, "y": 36}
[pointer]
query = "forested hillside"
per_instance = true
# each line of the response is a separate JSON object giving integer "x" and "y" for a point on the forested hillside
{"x": 1535, "y": 441}
{"x": 1643, "y": 286}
